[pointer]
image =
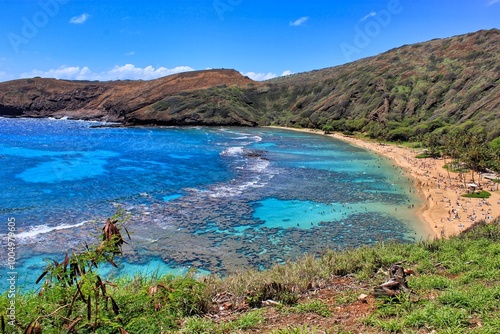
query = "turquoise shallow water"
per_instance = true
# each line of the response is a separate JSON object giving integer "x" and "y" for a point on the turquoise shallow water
{"x": 218, "y": 199}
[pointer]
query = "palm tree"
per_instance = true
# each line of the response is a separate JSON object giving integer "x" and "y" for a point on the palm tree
{"x": 456, "y": 143}
{"x": 476, "y": 153}
{"x": 431, "y": 141}
{"x": 446, "y": 151}
{"x": 495, "y": 163}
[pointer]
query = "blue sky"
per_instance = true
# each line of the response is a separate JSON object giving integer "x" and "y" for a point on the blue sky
{"x": 131, "y": 39}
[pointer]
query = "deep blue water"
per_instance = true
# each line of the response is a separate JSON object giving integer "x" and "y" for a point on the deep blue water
{"x": 218, "y": 199}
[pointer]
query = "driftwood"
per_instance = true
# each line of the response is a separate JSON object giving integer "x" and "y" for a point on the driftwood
{"x": 395, "y": 285}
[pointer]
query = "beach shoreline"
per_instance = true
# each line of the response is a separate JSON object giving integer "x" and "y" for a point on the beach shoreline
{"x": 444, "y": 210}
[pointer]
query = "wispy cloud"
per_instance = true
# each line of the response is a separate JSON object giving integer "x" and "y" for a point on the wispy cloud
{"x": 299, "y": 22}
{"x": 125, "y": 72}
{"x": 80, "y": 19}
{"x": 492, "y": 2}
{"x": 131, "y": 53}
{"x": 368, "y": 16}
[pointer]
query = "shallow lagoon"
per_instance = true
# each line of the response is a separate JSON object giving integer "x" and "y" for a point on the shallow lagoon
{"x": 218, "y": 199}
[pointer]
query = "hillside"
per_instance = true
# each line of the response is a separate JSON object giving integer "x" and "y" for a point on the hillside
{"x": 435, "y": 86}
{"x": 402, "y": 93}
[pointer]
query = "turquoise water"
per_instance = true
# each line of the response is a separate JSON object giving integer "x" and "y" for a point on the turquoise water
{"x": 217, "y": 199}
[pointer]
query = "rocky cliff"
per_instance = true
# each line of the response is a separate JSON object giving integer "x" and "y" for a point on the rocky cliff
{"x": 122, "y": 101}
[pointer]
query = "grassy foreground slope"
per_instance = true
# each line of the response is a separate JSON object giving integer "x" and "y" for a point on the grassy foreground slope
{"x": 454, "y": 289}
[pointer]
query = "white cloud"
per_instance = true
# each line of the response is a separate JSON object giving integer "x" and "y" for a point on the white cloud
{"x": 368, "y": 16}
{"x": 63, "y": 72}
{"x": 131, "y": 53}
{"x": 299, "y": 22}
{"x": 79, "y": 19}
{"x": 129, "y": 71}
{"x": 260, "y": 76}
{"x": 124, "y": 72}
{"x": 265, "y": 76}
{"x": 492, "y": 2}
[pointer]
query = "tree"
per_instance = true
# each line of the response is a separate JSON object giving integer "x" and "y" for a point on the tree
{"x": 327, "y": 129}
{"x": 495, "y": 162}
{"x": 446, "y": 151}
{"x": 476, "y": 154}
{"x": 455, "y": 144}
{"x": 432, "y": 142}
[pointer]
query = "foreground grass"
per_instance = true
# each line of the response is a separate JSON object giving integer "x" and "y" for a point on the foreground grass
{"x": 455, "y": 289}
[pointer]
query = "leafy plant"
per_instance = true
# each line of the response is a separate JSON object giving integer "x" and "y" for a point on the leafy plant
{"x": 84, "y": 300}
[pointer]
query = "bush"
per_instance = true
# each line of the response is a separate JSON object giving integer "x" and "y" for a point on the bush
{"x": 327, "y": 129}
{"x": 399, "y": 134}
{"x": 495, "y": 144}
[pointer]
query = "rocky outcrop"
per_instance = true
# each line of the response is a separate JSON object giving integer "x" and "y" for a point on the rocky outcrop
{"x": 123, "y": 101}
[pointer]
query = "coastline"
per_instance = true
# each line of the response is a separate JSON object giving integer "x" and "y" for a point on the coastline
{"x": 444, "y": 211}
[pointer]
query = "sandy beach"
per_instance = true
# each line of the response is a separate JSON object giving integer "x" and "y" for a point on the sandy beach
{"x": 445, "y": 211}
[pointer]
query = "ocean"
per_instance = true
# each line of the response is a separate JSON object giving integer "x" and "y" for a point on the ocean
{"x": 219, "y": 199}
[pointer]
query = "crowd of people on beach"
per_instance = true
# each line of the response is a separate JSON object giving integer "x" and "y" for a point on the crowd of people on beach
{"x": 446, "y": 211}
{"x": 440, "y": 188}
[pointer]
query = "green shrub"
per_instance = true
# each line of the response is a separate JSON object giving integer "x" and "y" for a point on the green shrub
{"x": 478, "y": 194}
{"x": 399, "y": 134}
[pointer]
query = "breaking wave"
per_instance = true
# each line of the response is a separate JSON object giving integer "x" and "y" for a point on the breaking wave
{"x": 35, "y": 231}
